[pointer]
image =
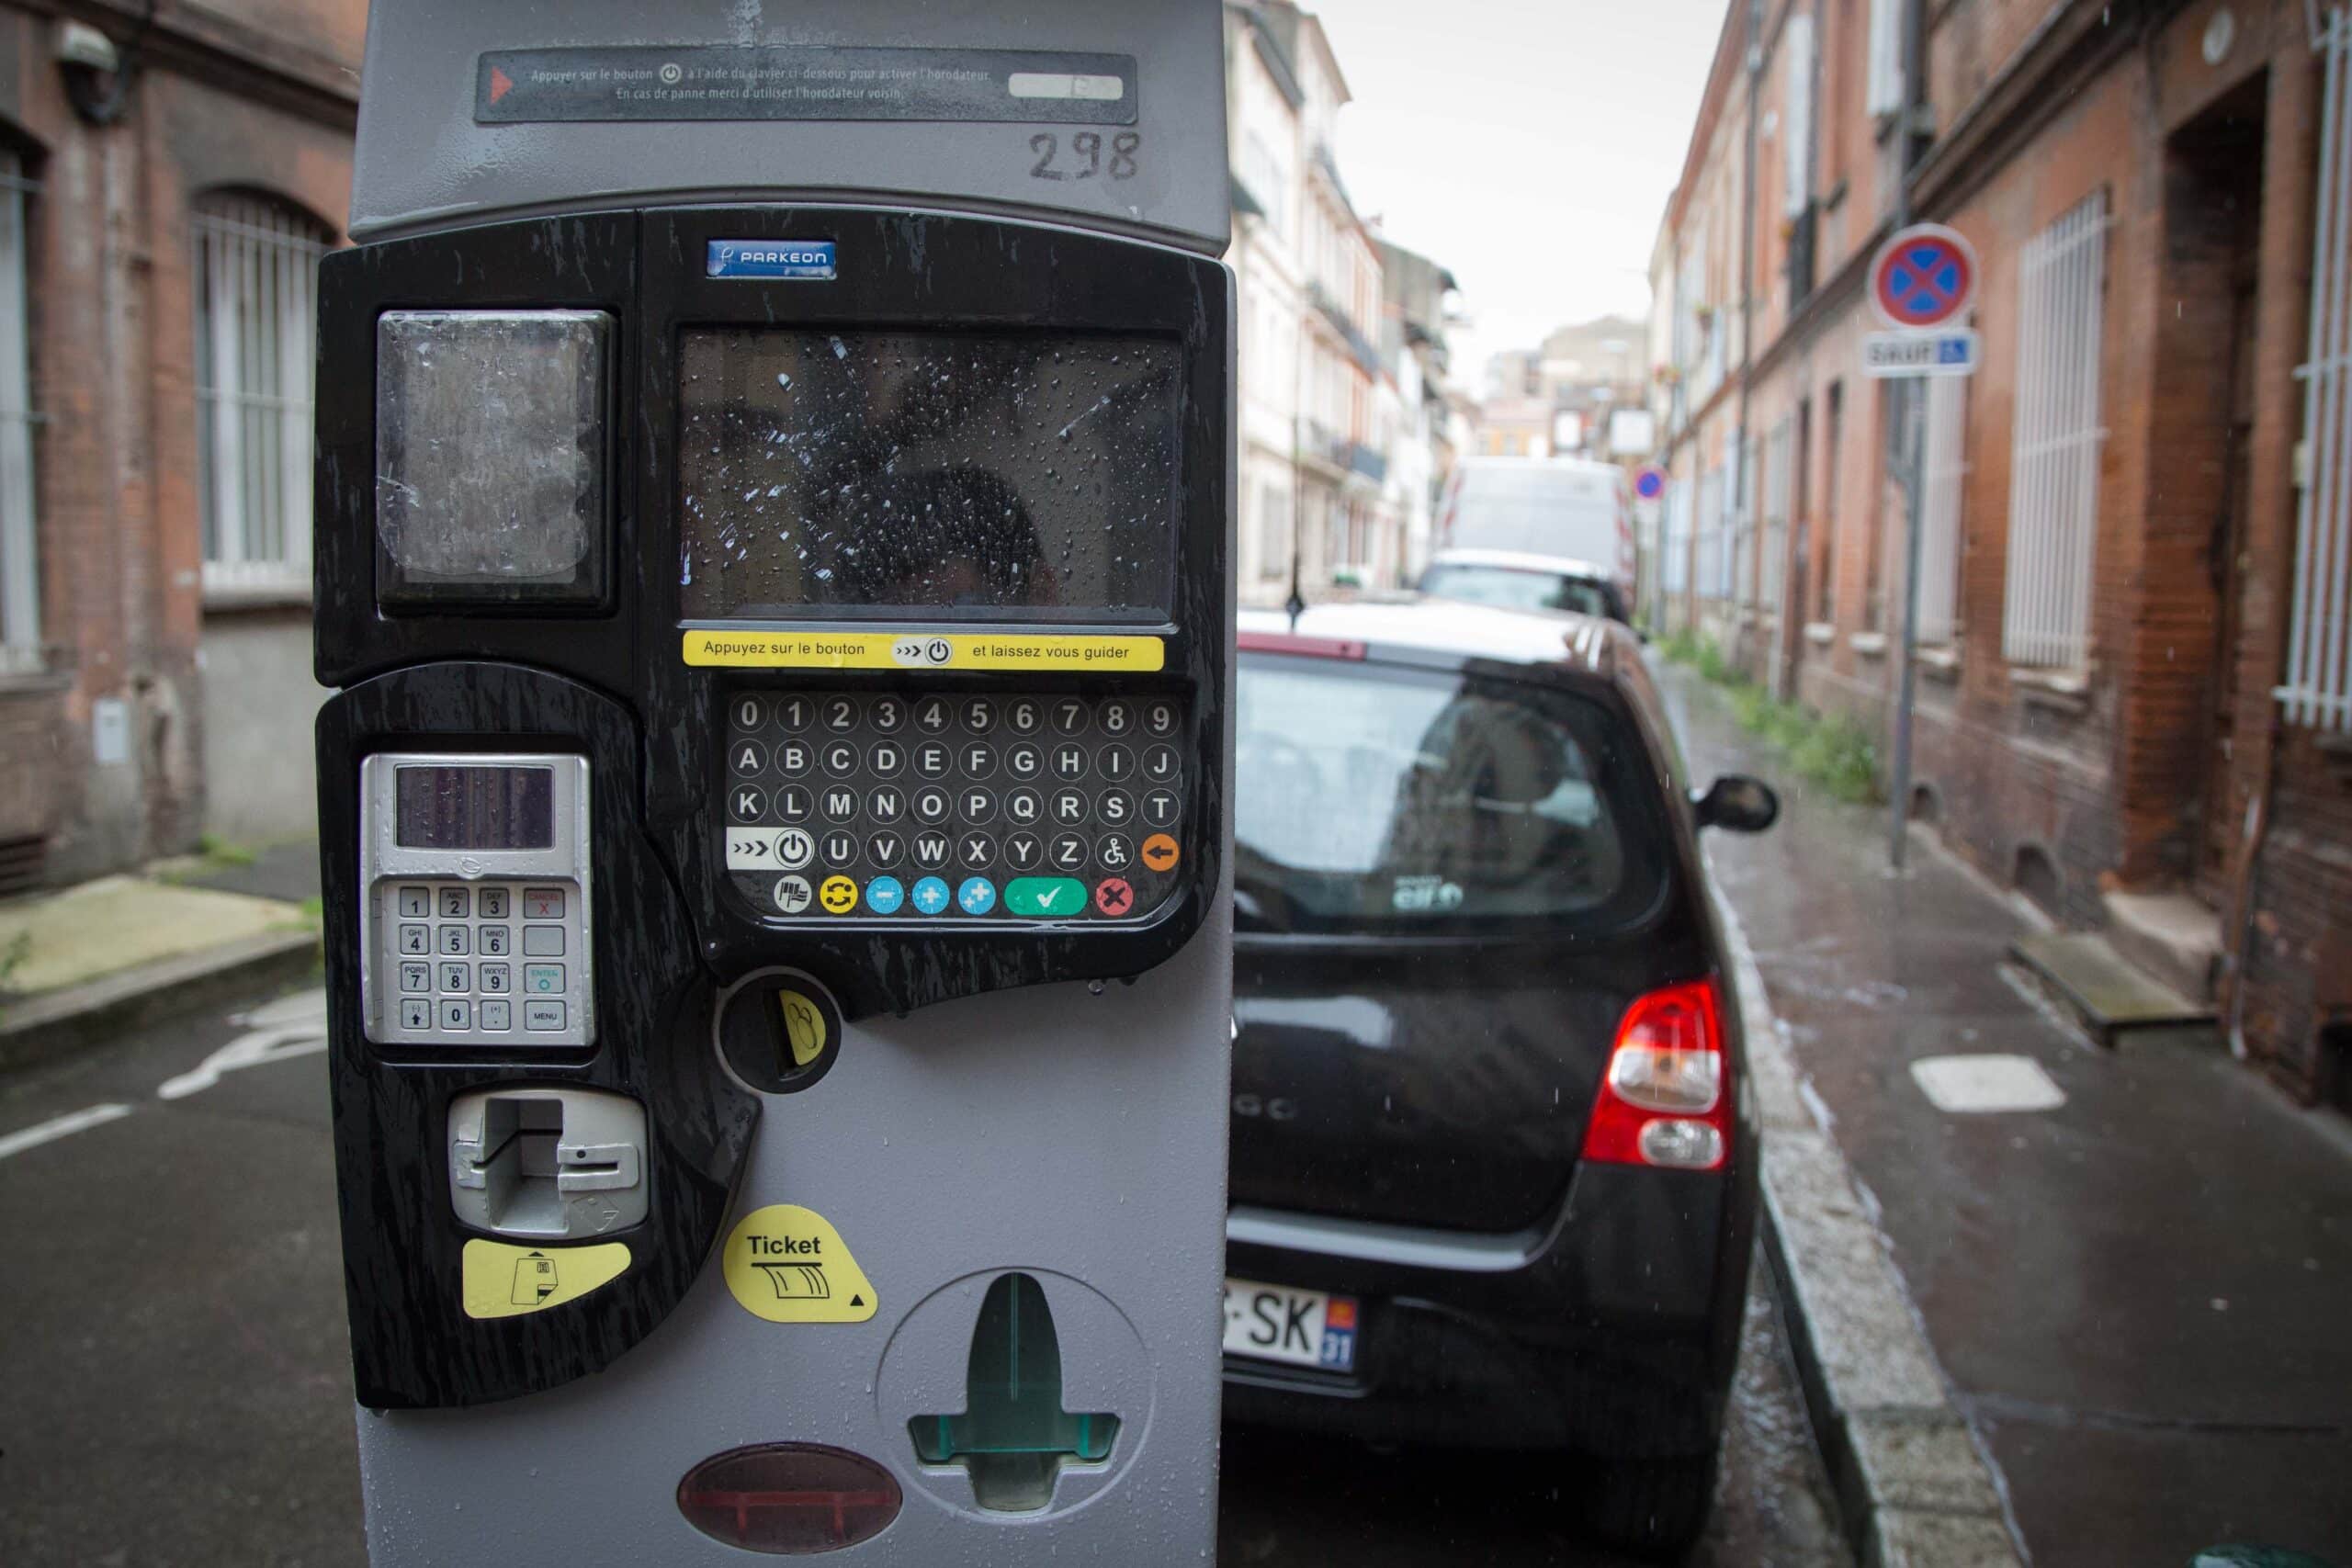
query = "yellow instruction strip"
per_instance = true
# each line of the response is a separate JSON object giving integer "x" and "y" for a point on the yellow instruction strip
{"x": 501, "y": 1280}
{"x": 921, "y": 650}
{"x": 786, "y": 1264}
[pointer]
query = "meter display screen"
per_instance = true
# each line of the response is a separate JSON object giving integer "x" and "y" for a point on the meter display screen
{"x": 474, "y": 808}
{"x": 1005, "y": 477}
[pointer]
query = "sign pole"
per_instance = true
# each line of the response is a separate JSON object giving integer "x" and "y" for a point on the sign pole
{"x": 1915, "y": 391}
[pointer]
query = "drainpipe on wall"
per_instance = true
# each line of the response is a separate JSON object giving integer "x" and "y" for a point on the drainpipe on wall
{"x": 1740, "y": 476}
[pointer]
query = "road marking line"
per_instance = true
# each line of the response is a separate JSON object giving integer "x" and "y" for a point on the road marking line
{"x": 292, "y": 1026}
{"x": 57, "y": 1127}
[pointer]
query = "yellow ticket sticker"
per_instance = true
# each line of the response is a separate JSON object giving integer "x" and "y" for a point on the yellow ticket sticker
{"x": 788, "y": 1264}
{"x": 921, "y": 650}
{"x": 504, "y": 1280}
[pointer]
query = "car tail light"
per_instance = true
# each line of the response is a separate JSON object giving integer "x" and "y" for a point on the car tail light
{"x": 1666, "y": 1097}
{"x": 1304, "y": 646}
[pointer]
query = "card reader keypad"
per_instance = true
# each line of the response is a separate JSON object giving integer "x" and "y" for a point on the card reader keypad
{"x": 485, "y": 963}
{"x": 1027, "y": 806}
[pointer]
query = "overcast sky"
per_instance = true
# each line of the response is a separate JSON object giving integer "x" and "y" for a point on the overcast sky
{"x": 1528, "y": 145}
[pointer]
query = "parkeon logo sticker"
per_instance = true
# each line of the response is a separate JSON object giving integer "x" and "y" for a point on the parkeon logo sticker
{"x": 805, "y": 260}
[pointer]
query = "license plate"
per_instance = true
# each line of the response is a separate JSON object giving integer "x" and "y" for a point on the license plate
{"x": 1281, "y": 1322}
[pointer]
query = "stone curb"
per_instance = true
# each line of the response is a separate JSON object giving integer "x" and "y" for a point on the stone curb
{"x": 54, "y": 1023}
{"x": 1913, "y": 1489}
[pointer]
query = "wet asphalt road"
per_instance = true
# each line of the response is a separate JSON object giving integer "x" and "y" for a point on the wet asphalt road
{"x": 174, "y": 1382}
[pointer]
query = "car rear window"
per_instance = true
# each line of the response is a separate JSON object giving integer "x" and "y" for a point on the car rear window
{"x": 1370, "y": 797}
{"x": 1514, "y": 588}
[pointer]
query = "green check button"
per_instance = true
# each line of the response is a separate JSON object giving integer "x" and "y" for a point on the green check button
{"x": 1049, "y": 896}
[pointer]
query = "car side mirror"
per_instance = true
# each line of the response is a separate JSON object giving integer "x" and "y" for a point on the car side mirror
{"x": 1737, "y": 801}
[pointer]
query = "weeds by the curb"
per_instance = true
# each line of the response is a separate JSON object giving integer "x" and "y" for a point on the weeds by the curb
{"x": 1835, "y": 753}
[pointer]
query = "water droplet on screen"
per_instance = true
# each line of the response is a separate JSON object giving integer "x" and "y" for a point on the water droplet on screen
{"x": 782, "y": 379}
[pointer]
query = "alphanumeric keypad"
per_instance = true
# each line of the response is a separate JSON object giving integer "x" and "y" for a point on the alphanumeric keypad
{"x": 1020, "y": 806}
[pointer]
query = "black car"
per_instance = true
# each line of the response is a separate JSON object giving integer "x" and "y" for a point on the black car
{"x": 1494, "y": 1154}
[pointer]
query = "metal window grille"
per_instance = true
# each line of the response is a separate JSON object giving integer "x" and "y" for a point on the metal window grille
{"x": 1678, "y": 539}
{"x": 1944, "y": 467}
{"x": 2318, "y": 689}
{"x": 1779, "y": 487}
{"x": 1742, "y": 587}
{"x": 2054, "y": 441}
{"x": 19, "y": 541}
{"x": 257, "y": 266}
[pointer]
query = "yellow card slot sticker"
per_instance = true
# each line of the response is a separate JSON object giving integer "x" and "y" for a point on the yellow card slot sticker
{"x": 804, "y": 1026}
{"x": 928, "y": 651}
{"x": 504, "y": 1280}
{"x": 786, "y": 1264}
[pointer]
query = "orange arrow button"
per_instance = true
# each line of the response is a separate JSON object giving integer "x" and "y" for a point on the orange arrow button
{"x": 1159, "y": 853}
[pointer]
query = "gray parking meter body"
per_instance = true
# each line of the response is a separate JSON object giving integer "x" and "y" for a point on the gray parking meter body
{"x": 775, "y": 490}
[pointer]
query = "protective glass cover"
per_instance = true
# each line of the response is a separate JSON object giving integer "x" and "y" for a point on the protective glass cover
{"x": 988, "y": 477}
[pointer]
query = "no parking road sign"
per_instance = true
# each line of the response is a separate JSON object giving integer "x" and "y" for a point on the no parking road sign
{"x": 1650, "y": 482}
{"x": 1923, "y": 277}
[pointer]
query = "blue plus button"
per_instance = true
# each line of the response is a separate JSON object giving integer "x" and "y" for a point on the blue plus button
{"x": 977, "y": 896}
{"x": 931, "y": 895}
{"x": 883, "y": 895}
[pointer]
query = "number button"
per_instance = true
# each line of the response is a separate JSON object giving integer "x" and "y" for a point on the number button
{"x": 497, "y": 979}
{"x": 841, "y": 715}
{"x": 416, "y": 938}
{"x": 454, "y": 903}
{"x": 415, "y": 903}
{"x": 748, "y": 757}
{"x": 1115, "y": 717}
{"x": 792, "y": 714}
{"x": 1024, "y": 715}
{"x": 749, "y": 713}
{"x": 886, "y": 714}
{"x": 457, "y": 977}
{"x": 1070, "y": 716}
{"x": 980, "y": 715}
{"x": 933, "y": 716}
{"x": 493, "y": 941}
{"x": 1160, "y": 719}
{"x": 491, "y": 903}
{"x": 457, "y": 1017}
{"x": 417, "y": 976}
{"x": 456, "y": 939}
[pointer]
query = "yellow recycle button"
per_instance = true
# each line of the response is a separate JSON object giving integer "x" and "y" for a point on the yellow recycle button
{"x": 839, "y": 895}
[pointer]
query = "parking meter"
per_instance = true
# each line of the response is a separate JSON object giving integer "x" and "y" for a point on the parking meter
{"x": 773, "y": 491}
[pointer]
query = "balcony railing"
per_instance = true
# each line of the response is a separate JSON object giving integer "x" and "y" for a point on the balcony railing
{"x": 1319, "y": 442}
{"x": 1359, "y": 347}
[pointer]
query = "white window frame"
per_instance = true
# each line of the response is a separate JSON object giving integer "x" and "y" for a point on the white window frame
{"x": 1883, "y": 93}
{"x": 1796, "y": 118}
{"x": 20, "y": 641}
{"x": 1780, "y": 490}
{"x": 257, "y": 277}
{"x": 2054, "y": 441}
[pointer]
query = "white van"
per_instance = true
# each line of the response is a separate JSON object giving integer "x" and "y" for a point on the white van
{"x": 1568, "y": 509}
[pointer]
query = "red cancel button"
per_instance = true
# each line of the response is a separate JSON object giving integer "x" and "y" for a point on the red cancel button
{"x": 1113, "y": 896}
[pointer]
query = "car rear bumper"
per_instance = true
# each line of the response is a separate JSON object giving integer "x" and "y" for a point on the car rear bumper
{"x": 1613, "y": 1330}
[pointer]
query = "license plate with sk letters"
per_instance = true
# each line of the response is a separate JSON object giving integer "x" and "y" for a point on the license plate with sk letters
{"x": 1281, "y": 1322}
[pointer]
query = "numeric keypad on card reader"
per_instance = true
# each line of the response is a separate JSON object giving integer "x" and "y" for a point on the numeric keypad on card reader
{"x": 1047, "y": 807}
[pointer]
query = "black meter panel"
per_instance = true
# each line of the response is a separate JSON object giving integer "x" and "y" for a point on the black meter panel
{"x": 901, "y": 535}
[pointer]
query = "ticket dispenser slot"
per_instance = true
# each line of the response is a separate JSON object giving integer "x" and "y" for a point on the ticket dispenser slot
{"x": 547, "y": 1163}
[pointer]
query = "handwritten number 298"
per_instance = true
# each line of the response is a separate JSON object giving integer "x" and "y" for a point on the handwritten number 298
{"x": 1086, "y": 154}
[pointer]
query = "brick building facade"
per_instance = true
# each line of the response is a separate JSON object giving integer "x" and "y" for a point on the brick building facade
{"x": 161, "y": 224}
{"x": 2114, "y": 567}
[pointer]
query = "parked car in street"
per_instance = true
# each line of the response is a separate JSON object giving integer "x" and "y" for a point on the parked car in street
{"x": 1564, "y": 509}
{"x": 1516, "y": 579}
{"x": 1493, "y": 1153}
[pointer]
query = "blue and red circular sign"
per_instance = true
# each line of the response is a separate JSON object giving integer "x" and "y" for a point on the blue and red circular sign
{"x": 1925, "y": 276}
{"x": 1649, "y": 482}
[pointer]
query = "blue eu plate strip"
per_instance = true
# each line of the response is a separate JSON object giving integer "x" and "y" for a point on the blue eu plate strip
{"x": 805, "y": 259}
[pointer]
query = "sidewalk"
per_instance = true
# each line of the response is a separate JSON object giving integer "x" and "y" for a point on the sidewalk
{"x": 2137, "y": 1296}
{"x": 84, "y": 962}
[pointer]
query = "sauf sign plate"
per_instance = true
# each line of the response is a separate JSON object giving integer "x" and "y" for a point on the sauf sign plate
{"x": 1919, "y": 354}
